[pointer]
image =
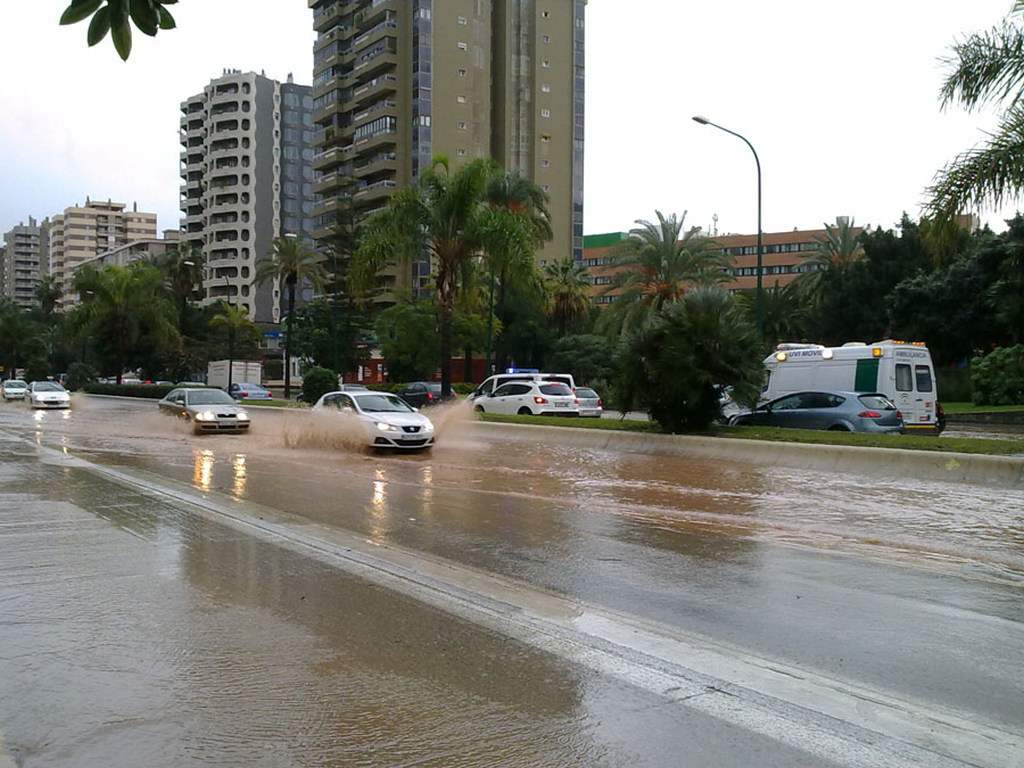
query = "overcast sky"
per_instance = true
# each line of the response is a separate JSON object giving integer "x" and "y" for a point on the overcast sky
{"x": 839, "y": 100}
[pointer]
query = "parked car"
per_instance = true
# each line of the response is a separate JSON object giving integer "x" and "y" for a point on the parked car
{"x": 422, "y": 393}
{"x": 14, "y": 389}
{"x": 244, "y": 390}
{"x": 47, "y": 394}
{"x": 537, "y": 398}
{"x": 209, "y": 410}
{"x": 838, "y": 411}
{"x": 386, "y": 419}
{"x": 590, "y": 402}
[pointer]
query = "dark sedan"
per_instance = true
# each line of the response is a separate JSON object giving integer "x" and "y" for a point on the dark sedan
{"x": 837, "y": 411}
{"x": 422, "y": 393}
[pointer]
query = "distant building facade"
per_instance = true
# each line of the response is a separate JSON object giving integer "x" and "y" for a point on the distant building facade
{"x": 782, "y": 259}
{"x": 24, "y": 261}
{"x": 82, "y": 233}
{"x": 397, "y": 83}
{"x": 247, "y": 178}
{"x": 135, "y": 250}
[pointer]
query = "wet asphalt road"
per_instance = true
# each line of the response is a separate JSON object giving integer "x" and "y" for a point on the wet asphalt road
{"x": 284, "y": 598}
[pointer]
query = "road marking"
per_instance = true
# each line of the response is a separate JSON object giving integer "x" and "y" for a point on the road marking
{"x": 833, "y": 719}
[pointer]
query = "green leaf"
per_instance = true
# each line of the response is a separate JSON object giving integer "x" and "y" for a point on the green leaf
{"x": 145, "y": 18}
{"x": 99, "y": 26}
{"x": 78, "y": 10}
{"x": 166, "y": 20}
{"x": 122, "y": 36}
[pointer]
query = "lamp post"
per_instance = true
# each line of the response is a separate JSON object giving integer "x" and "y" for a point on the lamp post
{"x": 705, "y": 121}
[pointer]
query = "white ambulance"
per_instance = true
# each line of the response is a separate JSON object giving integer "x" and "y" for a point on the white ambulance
{"x": 902, "y": 371}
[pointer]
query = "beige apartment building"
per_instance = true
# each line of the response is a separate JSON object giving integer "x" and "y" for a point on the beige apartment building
{"x": 783, "y": 257}
{"x": 84, "y": 232}
{"x": 397, "y": 82}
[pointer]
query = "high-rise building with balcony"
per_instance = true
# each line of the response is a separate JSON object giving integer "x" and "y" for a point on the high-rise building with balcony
{"x": 246, "y": 179}
{"x": 83, "y": 232}
{"x": 24, "y": 261}
{"x": 396, "y": 82}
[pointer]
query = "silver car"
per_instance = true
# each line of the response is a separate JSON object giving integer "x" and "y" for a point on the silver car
{"x": 209, "y": 410}
{"x": 47, "y": 394}
{"x": 837, "y": 411}
{"x": 590, "y": 402}
{"x": 14, "y": 389}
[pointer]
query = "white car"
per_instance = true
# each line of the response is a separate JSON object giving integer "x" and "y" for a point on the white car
{"x": 537, "y": 398}
{"x": 47, "y": 394}
{"x": 387, "y": 420}
{"x": 14, "y": 389}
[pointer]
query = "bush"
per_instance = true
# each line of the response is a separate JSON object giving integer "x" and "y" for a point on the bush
{"x": 80, "y": 374}
{"x": 318, "y": 381}
{"x": 954, "y": 385}
{"x": 998, "y": 378}
{"x": 676, "y": 367}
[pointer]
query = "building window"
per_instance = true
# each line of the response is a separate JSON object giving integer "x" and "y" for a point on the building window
{"x": 545, "y": 113}
{"x": 460, "y": 152}
{"x": 545, "y": 14}
{"x": 545, "y": 137}
{"x": 461, "y": 99}
{"x": 462, "y": 20}
{"x": 461, "y": 125}
{"x": 462, "y": 46}
{"x": 546, "y": 64}
{"x": 545, "y": 38}
{"x": 545, "y": 163}
{"x": 545, "y": 88}
{"x": 462, "y": 73}
{"x": 544, "y": 187}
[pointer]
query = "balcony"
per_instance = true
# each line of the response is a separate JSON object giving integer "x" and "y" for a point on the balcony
{"x": 376, "y": 190}
{"x": 332, "y": 158}
{"x": 373, "y": 90}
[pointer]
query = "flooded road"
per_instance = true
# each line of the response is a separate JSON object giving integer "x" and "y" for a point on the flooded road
{"x": 293, "y": 600}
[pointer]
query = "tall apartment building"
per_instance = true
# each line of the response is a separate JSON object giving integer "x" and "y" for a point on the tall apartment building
{"x": 396, "y": 82}
{"x": 246, "y": 179}
{"x": 84, "y": 232}
{"x": 24, "y": 261}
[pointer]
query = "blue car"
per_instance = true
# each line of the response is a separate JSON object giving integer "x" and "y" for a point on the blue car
{"x": 836, "y": 411}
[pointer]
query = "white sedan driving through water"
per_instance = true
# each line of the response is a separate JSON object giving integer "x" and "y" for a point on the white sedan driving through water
{"x": 387, "y": 420}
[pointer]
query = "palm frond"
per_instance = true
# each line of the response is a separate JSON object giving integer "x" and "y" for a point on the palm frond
{"x": 985, "y": 176}
{"x": 986, "y": 68}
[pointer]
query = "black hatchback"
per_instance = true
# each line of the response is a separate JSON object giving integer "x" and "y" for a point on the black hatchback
{"x": 422, "y": 393}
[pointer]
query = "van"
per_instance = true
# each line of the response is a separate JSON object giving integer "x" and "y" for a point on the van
{"x": 493, "y": 382}
{"x": 902, "y": 371}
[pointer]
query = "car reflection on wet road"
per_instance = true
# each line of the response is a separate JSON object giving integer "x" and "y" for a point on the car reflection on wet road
{"x": 218, "y": 635}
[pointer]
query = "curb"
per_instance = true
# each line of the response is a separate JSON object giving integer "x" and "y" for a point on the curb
{"x": 995, "y": 471}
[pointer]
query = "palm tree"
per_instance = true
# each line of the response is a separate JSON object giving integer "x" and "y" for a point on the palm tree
{"x": 656, "y": 266}
{"x": 444, "y": 213}
{"x": 183, "y": 274}
{"x": 235, "y": 319}
{"x": 835, "y": 250}
{"x": 292, "y": 262}
{"x": 122, "y": 306}
{"x": 515, "y": 200}
{"x": 48, "y": 293}
{"x": 986, "y": 69}
{"x": 20, "y": 338}
{"x": 568, "y": 286}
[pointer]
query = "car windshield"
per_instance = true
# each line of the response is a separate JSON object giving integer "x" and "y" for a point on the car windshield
{"x": 877, "y": 402}
{"x": 48, "y": 386}
{"x": 381, "y": 403}
{"x": 555, "y": 389}
{"x": 434, "y": 388}
{"x": 253, "y": 387}
{"x": 208, "y": 397}
{"x": 584, "y": 392}
{"x": 15, "y": 383}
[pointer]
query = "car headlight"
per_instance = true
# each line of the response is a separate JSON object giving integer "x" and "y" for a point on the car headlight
{"x": 242, "y": 416}
{"x": 385, "y": 427}
{"x": 205, "y": 416}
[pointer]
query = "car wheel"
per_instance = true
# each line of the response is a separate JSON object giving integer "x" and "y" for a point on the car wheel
{"x": 478, "y": 408}
{"x": 838, "y": 428}
{"x": 524, "y": 411}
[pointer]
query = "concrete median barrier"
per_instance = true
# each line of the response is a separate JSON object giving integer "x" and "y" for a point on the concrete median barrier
{"x": 998, "y": 471}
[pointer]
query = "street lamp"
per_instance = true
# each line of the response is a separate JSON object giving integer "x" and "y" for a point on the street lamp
{"x": 705, "y": 121}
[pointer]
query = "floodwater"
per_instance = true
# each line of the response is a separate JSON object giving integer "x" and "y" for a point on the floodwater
{"x": 236, "y": 650}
